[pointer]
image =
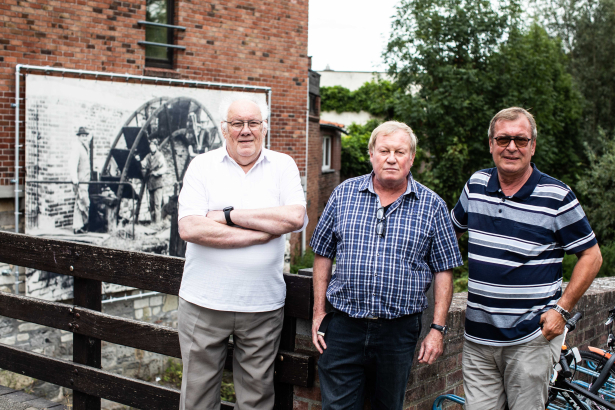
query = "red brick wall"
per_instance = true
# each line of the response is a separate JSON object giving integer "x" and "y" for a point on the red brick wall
{"x": 321, "y": 184}
{"x": 327, "y": 181}
{"x": 444, "y": 376}
{"x": 262, "y": 42}
{"x": 313, "y": 175}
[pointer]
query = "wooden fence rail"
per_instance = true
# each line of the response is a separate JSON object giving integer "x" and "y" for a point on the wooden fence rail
{"x": 90, "y": 265}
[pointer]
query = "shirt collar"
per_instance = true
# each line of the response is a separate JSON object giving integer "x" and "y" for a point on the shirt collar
{"x": 526, "y": 190}
{"x": 265, "y": 153}
{"x": 368, "y": 184}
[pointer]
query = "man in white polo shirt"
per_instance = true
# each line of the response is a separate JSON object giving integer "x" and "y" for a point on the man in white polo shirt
{"x": 236, "y": 204}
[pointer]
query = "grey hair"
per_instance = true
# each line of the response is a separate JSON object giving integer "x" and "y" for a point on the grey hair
{"x": 511, "y": 114}
{"x": 228, "y": 101}
{"x": 388, "y": 128}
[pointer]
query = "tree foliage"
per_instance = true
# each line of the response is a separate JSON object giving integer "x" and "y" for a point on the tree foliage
{"x": 470, "y": 59}
{"x": 598, "y": 189}
{"x": 587, "y": 28}
{"x": 376, "y": 97}
{"x": 355, "y": 158}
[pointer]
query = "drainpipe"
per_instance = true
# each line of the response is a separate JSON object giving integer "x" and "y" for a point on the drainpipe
{"x": 16, "y": 178}
{"x": 307, "y": 137}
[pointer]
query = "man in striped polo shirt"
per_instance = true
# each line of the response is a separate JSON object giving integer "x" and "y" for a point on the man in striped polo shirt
{"x": 520, "y": 223}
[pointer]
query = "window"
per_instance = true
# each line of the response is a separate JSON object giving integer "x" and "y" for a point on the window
{"x": 159, "y": 33}
{"x": 326, "y": 153}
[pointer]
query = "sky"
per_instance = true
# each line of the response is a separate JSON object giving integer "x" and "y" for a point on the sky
{"x": 349, "y": 35}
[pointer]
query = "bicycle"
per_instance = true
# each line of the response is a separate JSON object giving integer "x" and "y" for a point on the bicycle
{"x": 589, "y": 387}
{"x": 568, "y": 390}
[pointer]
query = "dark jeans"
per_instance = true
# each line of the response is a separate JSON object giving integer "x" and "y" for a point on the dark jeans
{"x": 363, "y": 355}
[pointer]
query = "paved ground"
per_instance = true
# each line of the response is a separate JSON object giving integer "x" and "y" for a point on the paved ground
{"x": 18, "y": 400}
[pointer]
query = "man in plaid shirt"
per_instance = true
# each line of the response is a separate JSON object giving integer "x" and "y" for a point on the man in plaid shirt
{"x": 391, "y": 238}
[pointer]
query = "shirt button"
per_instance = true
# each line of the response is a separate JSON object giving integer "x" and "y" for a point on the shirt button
{"x": 500, "y": 211}
{"x": 377, "y": 253}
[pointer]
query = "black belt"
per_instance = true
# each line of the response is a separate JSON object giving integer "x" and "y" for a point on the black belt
{"x": 370, "y": 317}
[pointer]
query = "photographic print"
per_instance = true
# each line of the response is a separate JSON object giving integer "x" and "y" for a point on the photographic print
{"x": 105, "y": 161}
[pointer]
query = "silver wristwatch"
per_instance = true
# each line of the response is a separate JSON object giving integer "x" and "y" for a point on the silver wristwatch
{"x": 565, "y": 314}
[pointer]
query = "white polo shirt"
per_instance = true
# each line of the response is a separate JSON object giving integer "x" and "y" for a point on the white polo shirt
{"x": 246, "y": 279}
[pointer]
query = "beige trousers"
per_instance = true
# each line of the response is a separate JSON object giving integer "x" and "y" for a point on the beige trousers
{"x": 203, "y": 338}
{"x": 516, "y": 374}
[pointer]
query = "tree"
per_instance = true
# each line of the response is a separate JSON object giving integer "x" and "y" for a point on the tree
{"x": 355, "y": 158}
{"x": 587, "y": 28}
{"x": 598, "y": 188}
{"x": 471, "y": 59}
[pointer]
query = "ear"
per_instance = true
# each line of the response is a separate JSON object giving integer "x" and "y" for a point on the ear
{"x": 491, "y": 145}
{"x": 265, "y": 127}
{"x": 224, "y": 128}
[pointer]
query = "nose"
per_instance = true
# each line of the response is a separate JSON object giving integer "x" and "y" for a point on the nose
{"x": 391, "y": 157}
{"x": 245, "y": 129}
{"x": 512, "y": 146}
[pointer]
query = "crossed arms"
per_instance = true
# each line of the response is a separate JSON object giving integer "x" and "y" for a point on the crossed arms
{"x": 261, "y": 226}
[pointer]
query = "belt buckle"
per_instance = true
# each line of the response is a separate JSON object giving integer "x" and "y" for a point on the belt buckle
{"x": 371, "y": 317}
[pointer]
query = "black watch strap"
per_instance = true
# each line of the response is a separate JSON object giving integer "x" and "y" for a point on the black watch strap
{"x": 227, "y": 215}
{"x": 441, "y": 329}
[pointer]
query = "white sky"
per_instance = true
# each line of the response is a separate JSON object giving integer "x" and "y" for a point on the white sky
{"x": 349, "y": 35}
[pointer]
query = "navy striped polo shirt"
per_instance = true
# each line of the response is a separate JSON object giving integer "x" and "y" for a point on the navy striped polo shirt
{"x": 515, "y": 253}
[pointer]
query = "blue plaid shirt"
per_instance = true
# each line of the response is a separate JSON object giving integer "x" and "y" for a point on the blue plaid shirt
{"x": 384, "y": 276}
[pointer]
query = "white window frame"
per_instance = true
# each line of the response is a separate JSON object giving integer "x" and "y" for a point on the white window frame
{"x": 326, "y": 153}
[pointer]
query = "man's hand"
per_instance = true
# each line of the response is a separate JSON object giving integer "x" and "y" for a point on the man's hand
{"x": 432, "y": 347}
{"x": 318, "y": 340}
{"x": 217, "y": 216}
{"x": 552, "y": 324}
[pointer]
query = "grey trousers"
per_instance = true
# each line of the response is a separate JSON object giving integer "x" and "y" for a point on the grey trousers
{"x": 516, "y": 374}
{"x": 203, "y": 338}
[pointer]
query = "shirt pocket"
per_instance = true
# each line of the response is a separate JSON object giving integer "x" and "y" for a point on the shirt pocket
{"x": 532, "y": 240}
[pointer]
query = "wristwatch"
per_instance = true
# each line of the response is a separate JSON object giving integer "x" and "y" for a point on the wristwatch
{"x": 565, "y": 314}
{"x": 227, "y": 215}
{"x": 441, "y": 329}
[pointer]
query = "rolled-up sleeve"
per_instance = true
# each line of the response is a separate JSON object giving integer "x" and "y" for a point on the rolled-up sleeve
{"x": 324, "y": 242}
{"x": 193, "y": 196}
{"x": 291, "y": 191}
{"x": 444, "y": 253}
{"x": 459, "y": 214}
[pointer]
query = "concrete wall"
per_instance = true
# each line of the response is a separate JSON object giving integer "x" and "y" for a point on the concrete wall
{"x": 348, "y": 79}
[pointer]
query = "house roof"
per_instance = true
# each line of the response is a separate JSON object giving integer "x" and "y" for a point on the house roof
{"x": 333, "y": 125}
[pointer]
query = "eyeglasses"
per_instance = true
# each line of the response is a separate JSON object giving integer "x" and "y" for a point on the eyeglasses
{"x": 381, "y": 222}
{"x": 504, "y": 141}
{"x": 238, "y": 125}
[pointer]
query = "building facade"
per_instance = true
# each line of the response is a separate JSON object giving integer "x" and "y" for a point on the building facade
{"x": 258, "y": 43}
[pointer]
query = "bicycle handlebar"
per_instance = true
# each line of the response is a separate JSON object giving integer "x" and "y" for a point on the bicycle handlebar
{"x": 571, "y": 324}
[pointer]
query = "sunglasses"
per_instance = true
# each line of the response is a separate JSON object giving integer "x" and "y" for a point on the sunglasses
{"x": 381, "y": 222}
{"x": 520, "y": 142}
